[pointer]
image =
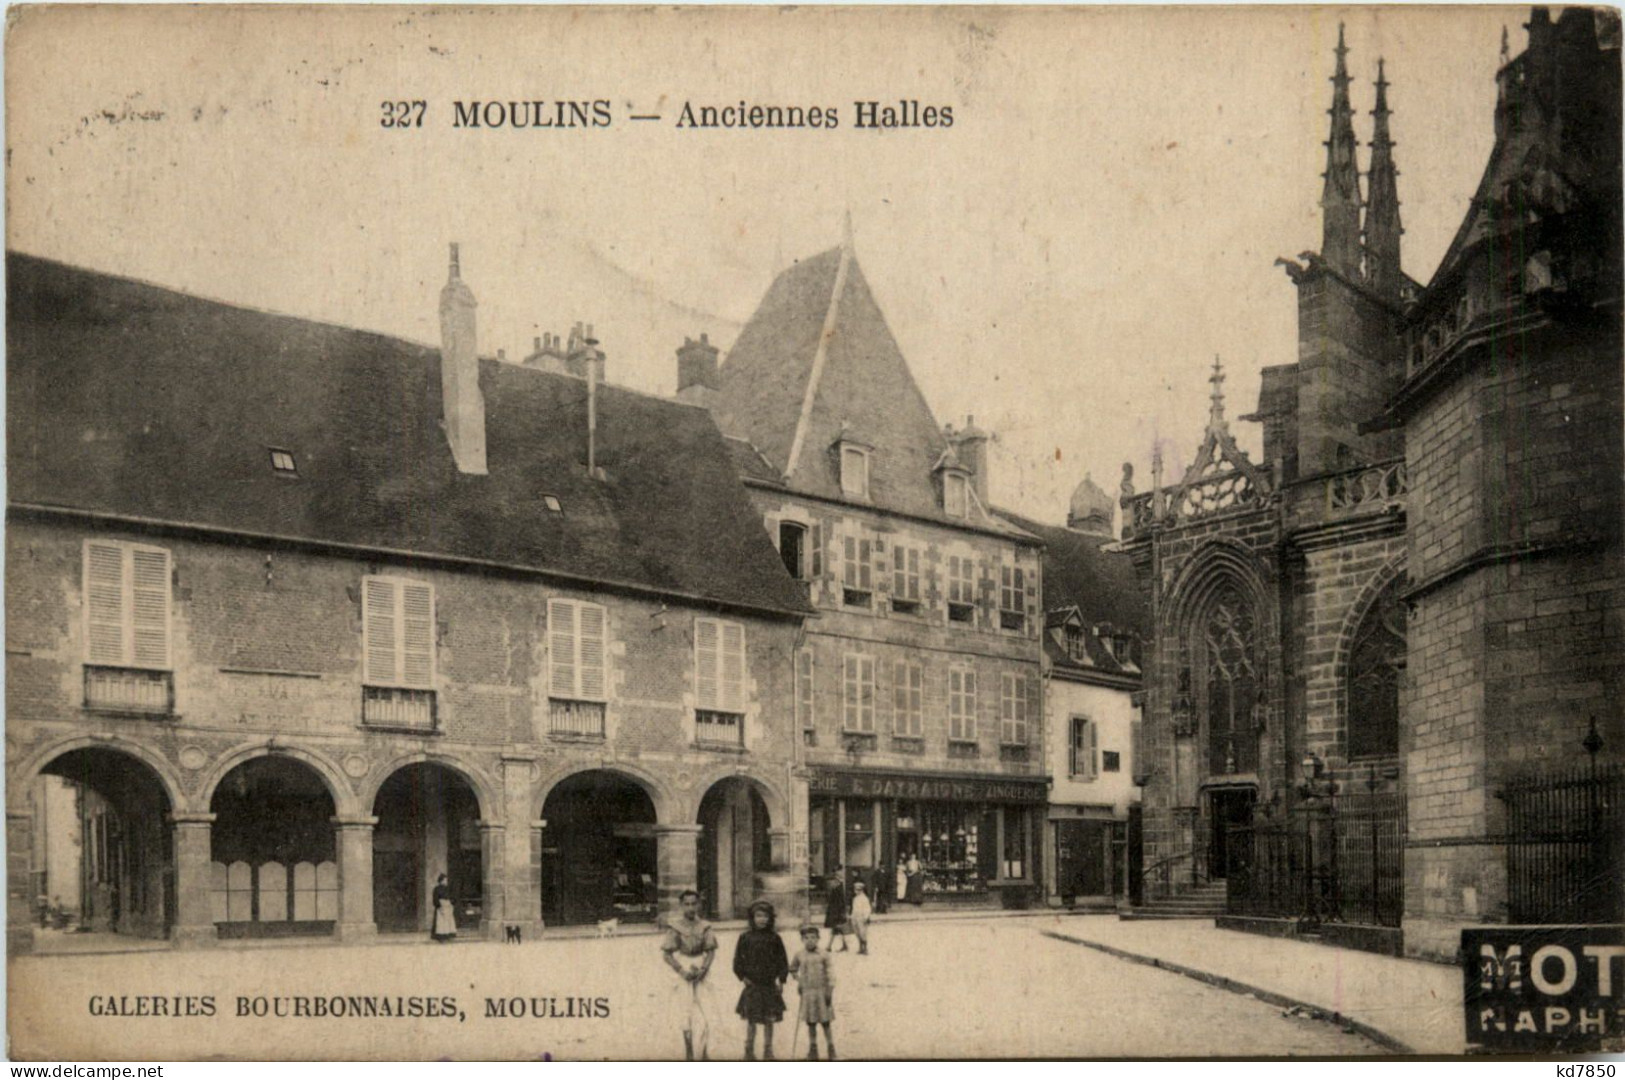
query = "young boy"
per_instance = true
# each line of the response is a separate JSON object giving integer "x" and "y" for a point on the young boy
{"x": 862, "y": 912}
{"x": 815, "y": 979}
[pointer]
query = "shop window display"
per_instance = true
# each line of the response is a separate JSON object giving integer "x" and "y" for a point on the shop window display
{"x": 950, "y": 849}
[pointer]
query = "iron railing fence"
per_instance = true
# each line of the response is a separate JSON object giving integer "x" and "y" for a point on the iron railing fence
{"x": 1565, "y": 831}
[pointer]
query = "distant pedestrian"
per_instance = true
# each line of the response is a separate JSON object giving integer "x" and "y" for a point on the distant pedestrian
{"x": 445, "y": 912}
{"x": 815, "y": 980}
{"x": 689, "y": 948}
{"x": 916, "y": 881}
{"x": 763, "y": 966}
{"x": 862, "y": 912}
{"x": 902, "y": 881}
{"x": 835, "y": 912}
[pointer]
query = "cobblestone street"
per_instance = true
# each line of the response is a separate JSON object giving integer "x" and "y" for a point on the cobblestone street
{"x": 948, "y": 988}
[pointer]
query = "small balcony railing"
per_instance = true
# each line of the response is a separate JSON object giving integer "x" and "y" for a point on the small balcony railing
{"x": 129, "y": 690}
{"x": 398, "y": 707}
{"x": 720, "y": 729}
{"x": 582, "y": 719}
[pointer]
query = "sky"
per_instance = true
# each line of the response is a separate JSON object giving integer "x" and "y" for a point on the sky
{"x": 1064, "y": 262}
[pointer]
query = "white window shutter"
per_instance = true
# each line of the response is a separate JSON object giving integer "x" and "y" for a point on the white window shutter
{"x": 380, "y": 630}
{"x": 591, "y": 656}
{"x": 417, "y": 634}
{"x": 149, "y": 607}
{"x": 561, "y": 649}
{"x": 707, "y": 654}
{"x": 104, "y": 604}
{"x": 733, "y": 668}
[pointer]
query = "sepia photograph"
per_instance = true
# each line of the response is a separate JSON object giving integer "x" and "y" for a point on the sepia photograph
{"x": 878, "y": 534}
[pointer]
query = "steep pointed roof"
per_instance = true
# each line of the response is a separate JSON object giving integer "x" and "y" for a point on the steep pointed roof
{"x": 817, "y": 364}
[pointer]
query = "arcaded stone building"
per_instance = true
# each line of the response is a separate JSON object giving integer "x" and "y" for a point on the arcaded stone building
{"x": 1412, "y": 604}
{"x": 316, "y": 615}
{"x": 918, "y": 684}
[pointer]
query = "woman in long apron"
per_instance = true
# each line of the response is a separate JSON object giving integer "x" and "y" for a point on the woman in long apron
{"x": 445, "y": 912}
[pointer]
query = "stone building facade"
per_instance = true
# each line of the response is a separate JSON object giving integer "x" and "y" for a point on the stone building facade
{"x": 322, "y": 615}
{"x": 1094, "y": 626}
{"x": 918, "y": 684}
{"x": 1414, "y": 599}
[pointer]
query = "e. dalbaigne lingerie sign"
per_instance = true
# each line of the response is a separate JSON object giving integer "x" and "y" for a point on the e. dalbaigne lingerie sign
{"x": 877, "y": 785}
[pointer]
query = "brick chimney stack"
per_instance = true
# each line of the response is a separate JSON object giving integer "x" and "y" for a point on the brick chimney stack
{"x": 462, "y": 404}
{"x": 970, "y": 445}
{"x": 698, "y": 380}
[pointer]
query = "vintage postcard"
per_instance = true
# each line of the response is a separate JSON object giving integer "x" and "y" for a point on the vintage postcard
{"x": 885, "y": 533}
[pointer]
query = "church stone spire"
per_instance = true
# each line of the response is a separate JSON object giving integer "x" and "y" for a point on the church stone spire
{"x": 1382, "y": 227}
{"x": 1340, "y": 199}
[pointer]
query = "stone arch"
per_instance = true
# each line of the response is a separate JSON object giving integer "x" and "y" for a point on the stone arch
{"x": 1209, "y": 568}
{"x": 343, "y": 795}
{"x": 35, "y": 763}
{"x": 1354, "y": 620}
{"x": 666, "y": 802}
{"x": 772, "y": 795}
{"x": 1373, "y": 588}
{"x": 478, "y": 781}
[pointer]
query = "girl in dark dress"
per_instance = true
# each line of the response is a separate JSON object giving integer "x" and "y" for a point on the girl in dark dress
{"x": 762, "y": 965}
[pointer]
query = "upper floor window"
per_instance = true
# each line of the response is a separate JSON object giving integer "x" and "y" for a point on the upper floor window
{"x": 719, "y": 666}
{"x": 962, "y": 704}
{"x": 905, "y": 592}
{"x": 1074, "y": 641}
{"x": 1081, "y": 749}
{"x": 804, "y": 689}
{"x": 793, "y": 548}
{"x": 127, "y": 651}
{"x": 961, "y": 589}
{"x": 127, "y": 600}
{"x": 398, "y": 648}
{"x": 854, "y": 471}
{"x": 858, "y": 693}
{"x": 1013, "y": 709}
{"x": 955, "y": 494}
{"x": 908, "y": 692}
{"x": 577, "y": 650}
{"x": 719, "y": 682}
{"x": 1012, "y": 598}
{"x": 399, "y": 632}
{"x": 857, "y": 571}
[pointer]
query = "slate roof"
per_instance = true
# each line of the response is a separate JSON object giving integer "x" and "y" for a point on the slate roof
{"x": 864, "y": 392}
{"x": 130, "y": 399}
{"x": 1100, "y": 585}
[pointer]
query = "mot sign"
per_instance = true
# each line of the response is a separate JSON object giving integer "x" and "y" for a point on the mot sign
{"x": 1544, "y": 988}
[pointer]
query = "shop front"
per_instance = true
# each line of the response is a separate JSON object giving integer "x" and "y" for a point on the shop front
{"x": 927, "y": 838}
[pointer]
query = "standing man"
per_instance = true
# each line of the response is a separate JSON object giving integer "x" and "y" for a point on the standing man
{"x": 835, "y": 914}
{"x": 689, "y": 948}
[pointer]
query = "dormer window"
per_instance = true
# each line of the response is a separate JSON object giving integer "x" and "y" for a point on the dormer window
{"x": 854, "y": 471}
{"x": 282, "y": 462}
{"x": 1074, "y": 641}
{"x": 955, "y": 494}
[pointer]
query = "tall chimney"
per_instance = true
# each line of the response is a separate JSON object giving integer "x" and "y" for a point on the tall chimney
{"x": 462, "y": 404}
{"x": 592, "y": 359}
{"x": 698, "y": 380}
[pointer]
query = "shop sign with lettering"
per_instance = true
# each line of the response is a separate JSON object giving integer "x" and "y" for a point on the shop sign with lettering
{"x": 1544, "y": 988}
{"x": 864, "y": 785}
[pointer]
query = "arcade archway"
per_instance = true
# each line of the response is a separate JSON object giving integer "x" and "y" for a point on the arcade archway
{"x": 273, "y": 858}
{"x": 428, "y": 825}
{"x": 103, "y": 845}
{"x": 599, "y": 858}
{"x": 734, "y": 846}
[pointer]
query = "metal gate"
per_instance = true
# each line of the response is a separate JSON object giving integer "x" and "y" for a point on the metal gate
{"x": 1564, "y": 834}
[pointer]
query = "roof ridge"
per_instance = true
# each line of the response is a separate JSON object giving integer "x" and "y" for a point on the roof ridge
{"x": 234, "y": 305}
{"x": 820, "y": 358}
